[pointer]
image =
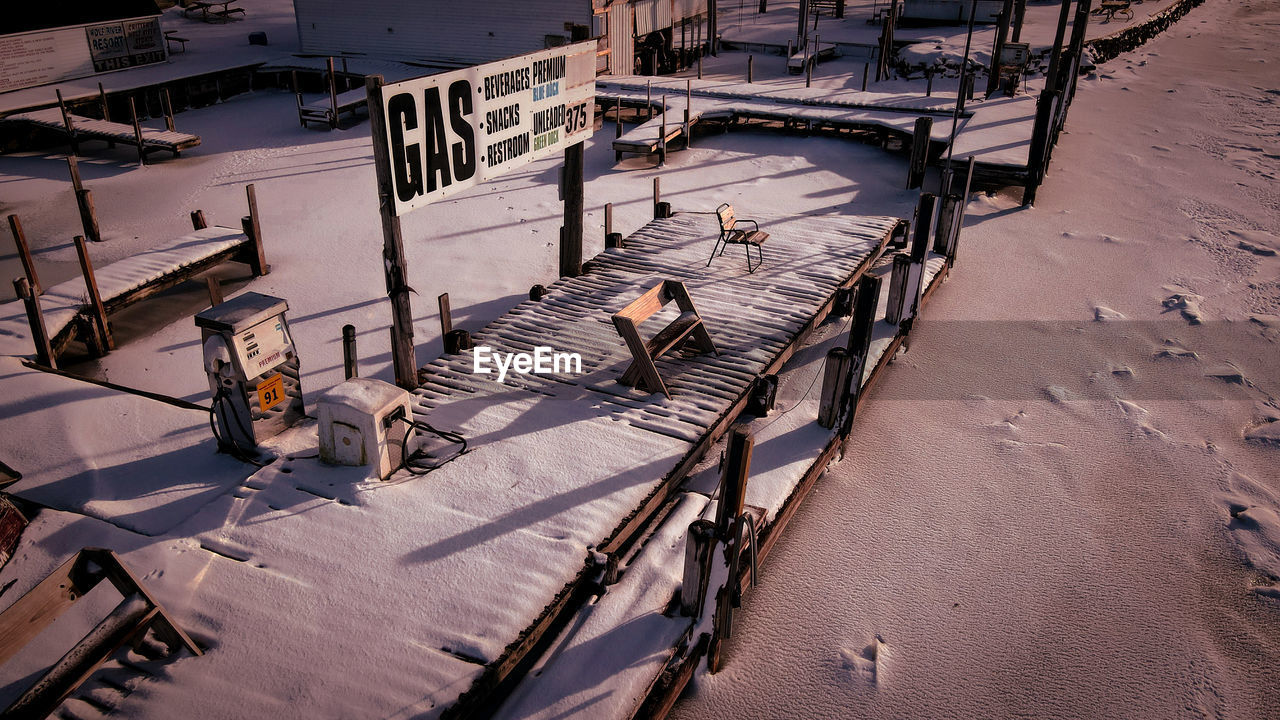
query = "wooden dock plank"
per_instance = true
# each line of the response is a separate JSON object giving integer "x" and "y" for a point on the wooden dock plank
{"x": 95, "y": 129}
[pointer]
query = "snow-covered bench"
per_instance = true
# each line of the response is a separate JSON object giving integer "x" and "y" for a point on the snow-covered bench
{"x": 331, "y": 108}
{"x": 688, "y": 325}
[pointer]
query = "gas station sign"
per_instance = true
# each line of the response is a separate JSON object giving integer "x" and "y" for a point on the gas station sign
{"x": 448, "y": 132}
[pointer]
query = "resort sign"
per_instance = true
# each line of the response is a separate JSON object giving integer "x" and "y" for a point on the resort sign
{"x": 445, "y": 133}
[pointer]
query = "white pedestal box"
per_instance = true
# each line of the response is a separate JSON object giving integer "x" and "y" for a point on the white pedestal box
{"x": 357, "y": 425}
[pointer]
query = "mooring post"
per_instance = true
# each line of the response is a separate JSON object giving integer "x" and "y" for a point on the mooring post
{"x": 137, "y": 132}
{"x": 197, "y": 220}
{"x": 835, "y": 376}
{"x": 333, "y": 95}
{"x": 866, "y": 67}
{"x": 617, "y": 118}
{"x": 733, "y": 489}
{"x": 897, "y": 289}
{"x": 446, "y": 314}
{"x": 571, "y": 240}
{"x": 101, "y": 326}
{"x": 961, "y": 202}
{"x": 688, "y": 111}
{"x": 750, "y": 63}
{"x": 66, "y": 123}
{"x": 24, "y": 254}
{"x": 611, "y": 238}
{"x": 648, "y": 99}
{"x": 859, "y": 348}
{"x": 699, "y": 51}
{"x": 253, "y": 228}
{"x": 928, "y": 87}
{"x": 908, "y": 269}
{"x": 35, "y": 318}
{"x": 167, "y": 102}
{"x": 657, "y": 196}
{"x": 215, "y": 290}
{"x": 102, "y": 102}
{"x": 662, "y": 141}
{"x": 699, "y": 552}
{"x": 919, "y": 152}
{"x": 350, "y": 361}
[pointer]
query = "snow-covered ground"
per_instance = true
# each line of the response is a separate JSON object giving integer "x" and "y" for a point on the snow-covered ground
{"x": 1050, "y": 508}
{"x": 1047, "y": 514}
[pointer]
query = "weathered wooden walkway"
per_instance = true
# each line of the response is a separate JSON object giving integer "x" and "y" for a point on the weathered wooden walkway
{"x": 995, "y": 132}
{"x": 78, "y": 127}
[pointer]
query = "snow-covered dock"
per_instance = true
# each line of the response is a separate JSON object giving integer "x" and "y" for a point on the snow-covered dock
{"x": 79, "y": 127}
{"x": 446, "y": 584}
{"x": 995, "y": 132}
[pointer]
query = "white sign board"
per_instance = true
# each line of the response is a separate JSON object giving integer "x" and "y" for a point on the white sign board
{"x": 448, "y": 132}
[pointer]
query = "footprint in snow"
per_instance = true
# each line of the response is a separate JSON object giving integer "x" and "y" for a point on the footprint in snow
{"x": 864, "y": 666}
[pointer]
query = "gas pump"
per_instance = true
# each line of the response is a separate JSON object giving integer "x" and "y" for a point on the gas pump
{"x": 253, "y": 369}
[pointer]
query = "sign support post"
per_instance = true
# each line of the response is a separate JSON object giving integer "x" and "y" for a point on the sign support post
{"x": 403, "y": 359}
{"x": 571, "y": 239}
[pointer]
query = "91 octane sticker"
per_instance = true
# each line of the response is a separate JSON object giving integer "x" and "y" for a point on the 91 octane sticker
{"x": 271, "y": 392}
{"x": 575, "y": 119}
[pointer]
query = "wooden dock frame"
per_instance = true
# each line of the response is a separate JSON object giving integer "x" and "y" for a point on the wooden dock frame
{"x": 91, "y": 324}
{"x": 138, "y": 613}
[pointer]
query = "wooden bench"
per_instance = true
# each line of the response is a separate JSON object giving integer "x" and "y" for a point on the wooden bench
{"x": 731, "y": 235}
{"x": 331, "y": 108}
{"x": 687, "y": 326}
{"x": 170, "y": 39}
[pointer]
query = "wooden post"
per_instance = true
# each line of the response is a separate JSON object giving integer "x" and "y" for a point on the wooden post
{"x": 733, "y": 480}
{"x": 73, "y": 168}
{"x": 897, "y": 289}
{"x": 333, "y": 96}
{"x": 88, "y": 217}
{"x": 102, "y": 101}
{"x": 215, "y": 290}
{"x": 657, "y": 196}
{"x": 834, "y": 382}
{"x": 197, "y": 220}
{"x": 608, "y": 220}
{"x": 946, "y": 221}
{"x": 859, "y": 346}
{"x": 252, "y": 228}
{"x": 446, "y": 314}
{"x": 750, "y": 63}
{"x": 137, "y": 132}
{"x": 699, "y": 51}
{"x": 617, "y": 119}
{"x": 35, "y": 318}
{"x": 699, "y": 548}
{"x": 648, "y": 99}
{"x": 24, "y": 254}
{"x": 928, "y": 87}
{"x": 866, "y": 67}
{"x": 167, "y": 102}
{"x": 662, "y": 139}
{"x": 688, "y": 111}
{"x": 66, "y": 123}
{"x": 1002, "y": 32}
{"x": 957, "y": 218}
{"x": 571, "y": 239}
{"x": 808, "y": 69}
{"x": 919, "y": 152}
{"x": 402, "y": 351}
{"x": 1055, "y": 55}
{"x": 1038, "y": 155}
{"x": 350, "y": 362}
{"x": 101, "y": 326}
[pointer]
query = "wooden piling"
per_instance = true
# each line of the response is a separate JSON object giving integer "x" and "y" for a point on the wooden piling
{"x": 733, "y": 479}
{"x": 574, "y": 194}
{"x": 102, "y": 103}
{"x": 698, "y": 555}
{"x": 835, "y": 375}
{"x": 88, "y": 215}
{"x": 894, "y": 312}
{"x": 102, "y": 328}
{"x": 750, "y": 63}
{"x": 197, "y": 220}
{"x": 657, "y": 196}
{"x": 24, "y": 254}
{"x": 446, "y": 314}
{"x": 333, "y": 95}
{"x": 350, "y": 362}
{"x": 608, "y": 220}
{"x": 928, "y": 87}
{"x": 919, "y": 152}
{"x": 859, "y": 348}
{"x": 253, "y": 228}
{"x": 662, "y": 140}
{"x": 167, "y": 102}
{"x": 35, "y": 318}
{"x": 866, "y": 68}
{"x": 66, "y": 123}
{"x": 215, "y": 290}
{"x": 137, "y": 132}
